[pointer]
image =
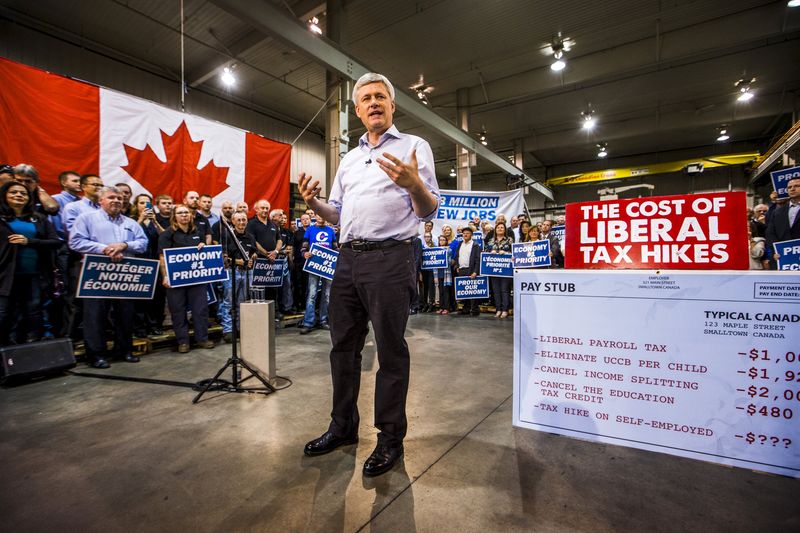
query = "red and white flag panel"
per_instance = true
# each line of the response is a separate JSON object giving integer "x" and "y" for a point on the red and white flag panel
{"x": 58, "y": 124}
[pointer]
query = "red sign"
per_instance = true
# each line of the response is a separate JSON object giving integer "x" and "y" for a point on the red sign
{"x": 693, "y": 232}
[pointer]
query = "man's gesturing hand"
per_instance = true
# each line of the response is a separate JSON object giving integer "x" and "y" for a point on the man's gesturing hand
{"x": 406, "y": 175}
{"x": 308, "y": 189}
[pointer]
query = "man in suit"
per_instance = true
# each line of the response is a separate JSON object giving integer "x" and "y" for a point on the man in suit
{"x": 557, "y": 258}
{"x": 467, "y": 262}
{"x": 785, "y": 223}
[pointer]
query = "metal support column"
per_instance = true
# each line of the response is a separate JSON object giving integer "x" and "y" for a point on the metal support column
{"x": 464, "y": 159}
{"x": 336, "y": 113}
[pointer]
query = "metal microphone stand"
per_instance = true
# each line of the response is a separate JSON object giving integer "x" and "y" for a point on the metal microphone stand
{"x": 234, "y": 361}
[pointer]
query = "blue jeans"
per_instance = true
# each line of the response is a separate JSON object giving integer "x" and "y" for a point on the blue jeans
{"x": 224, "y": 308}
{"x": 317, "y": 285}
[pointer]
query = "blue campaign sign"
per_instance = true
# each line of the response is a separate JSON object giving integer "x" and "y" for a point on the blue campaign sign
{"x": 468, "y": 288}
{"x": 531, "y": 254}
{"x": 780, "y": 178}
{"x": 558, "y": 231}
{"x": 190, "y": 266}
{"x": 477, "y": 236}
{"x": 435, "y": 258}
{"x": 789, "y": 252}
{"x": 322, "y": 261}
{"x": 266, "y": 274}
{"x": 497, "y": 265}
{"x": 211, "y": 295}
{"x": 132, "y": 278}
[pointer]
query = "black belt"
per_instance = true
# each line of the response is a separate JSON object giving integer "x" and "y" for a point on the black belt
{"x": 367, "y": 246}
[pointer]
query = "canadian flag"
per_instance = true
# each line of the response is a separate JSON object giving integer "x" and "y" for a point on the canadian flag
{"x": 57, "y": 124}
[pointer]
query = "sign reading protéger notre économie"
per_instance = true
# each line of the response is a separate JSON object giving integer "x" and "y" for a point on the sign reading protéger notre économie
{"x": 435, "y": 258}
{"x": 468, "y": 288}
{"x": 780, "y": 179}
{"x": 190, "y": 266}
{"x": 532, "y": 254}
{"x": 497, "y": 265}
{"x": 322, "y": 262}
{"x": 266, "y": 274}
{"x": 789, "y": 252}
{"x": 131, "y": 278}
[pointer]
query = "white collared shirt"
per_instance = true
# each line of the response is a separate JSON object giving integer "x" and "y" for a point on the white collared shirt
{"x": 371, "y": 206}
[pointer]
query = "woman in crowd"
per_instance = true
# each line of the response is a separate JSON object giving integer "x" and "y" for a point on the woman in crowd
{"x": 148, "y": 314}
{"x": 428, "y": 293}
{"x": 500, "y": 243}
{"x": 525, "y": 230}
{"x": 445, "y": 278}
{"x": 28, "y": 241}
{"x": 183, "y": 233}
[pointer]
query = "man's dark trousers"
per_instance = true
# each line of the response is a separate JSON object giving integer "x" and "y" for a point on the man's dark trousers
{"x": 374, "y": 286}
{"x": 95, "y": 314}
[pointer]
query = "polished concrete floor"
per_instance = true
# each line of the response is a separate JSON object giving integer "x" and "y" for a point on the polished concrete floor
{"x": 86, "y": 454}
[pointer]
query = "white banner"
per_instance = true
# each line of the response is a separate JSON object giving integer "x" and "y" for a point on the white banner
{"x": 698, "y": 365}
{"x": 457, "y": 208}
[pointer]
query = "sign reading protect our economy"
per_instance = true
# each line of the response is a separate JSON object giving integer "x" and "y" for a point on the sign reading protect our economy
{"x": 701, "y": 365}
{"x": 780, "y": 179}
{"x": 497, "y": 265}
{"x": 468, "y": 288}
{"x": 688, "y": 232}
{"x": 789, "y": 252}
{"x": 322, "y": 261}
{"x": 435, "y": 258}
{"x": 190, "y": 266}
{"x": 266, "y": 273}
{"x": 131, "y": 278}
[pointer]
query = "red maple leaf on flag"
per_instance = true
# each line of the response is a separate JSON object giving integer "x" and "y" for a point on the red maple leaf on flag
{"x": 180, "y": 173}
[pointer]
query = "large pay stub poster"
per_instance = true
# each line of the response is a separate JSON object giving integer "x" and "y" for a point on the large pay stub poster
{"x": 700, "y": 365}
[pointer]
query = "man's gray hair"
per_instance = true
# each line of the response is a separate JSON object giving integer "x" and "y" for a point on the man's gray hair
{"x": 26, "y": 170}
{"x": 373, "y": 77}
{"x": 275, "y": 212}
{"x": 109, "y": 189}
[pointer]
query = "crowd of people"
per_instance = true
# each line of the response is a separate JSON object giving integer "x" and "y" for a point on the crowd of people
{"x": 43, "y": 239}
{"x": 436, "y": 292}
{"x": 771, "y": 223}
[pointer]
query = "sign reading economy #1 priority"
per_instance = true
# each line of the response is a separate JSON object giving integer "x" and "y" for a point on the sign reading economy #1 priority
{"x": 190, "y": 266}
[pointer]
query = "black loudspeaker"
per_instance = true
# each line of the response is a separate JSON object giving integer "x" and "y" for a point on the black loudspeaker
{"x": 37, "y": 357}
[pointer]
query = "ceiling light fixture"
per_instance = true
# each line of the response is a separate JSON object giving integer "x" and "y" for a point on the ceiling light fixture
{"x": 722, "y": 133}
{"x": 558, "y": 46}
{"x": 313, "y": 25}
{"x": 482, "y": 137}
{"x": 452, "y": 172}
{"x": 422, "y": 90}
{"x": 589, "y": 121}
{"x": 745, "y": 94}
{"x": 602, "y": 149}
{"x": 227, "y": 76}
{"x": 793, "y": 3}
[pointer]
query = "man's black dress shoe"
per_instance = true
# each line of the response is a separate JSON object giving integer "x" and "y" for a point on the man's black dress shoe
{"x": 99, "y": 362}
{"x": 382, "y": 460}
{"x": 130, "y": 358}
{"x": 327, "y": 443}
